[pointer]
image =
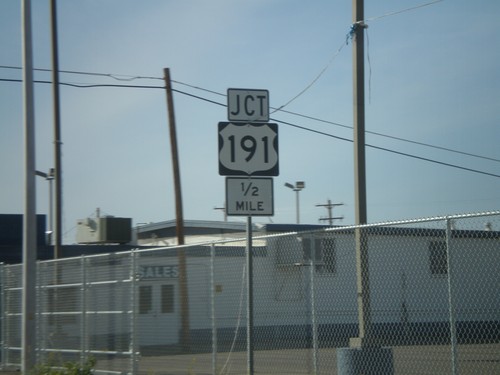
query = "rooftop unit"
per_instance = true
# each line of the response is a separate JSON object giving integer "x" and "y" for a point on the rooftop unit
{"x": 104, "y": 230}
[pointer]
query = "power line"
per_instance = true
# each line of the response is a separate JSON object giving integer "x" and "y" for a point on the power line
{"x": 401, "y": 11}
{"x": 315, "y": 79}
{"x": 277, "y": 120}
{"x": 130, "y": 78}
{"x": 348, "y": 126}
{"x": 391, "y": 151}
{"x": 348, "y": 36}
{"x": 86, "y": 86}
{"x": 200, "y": 98}
{"x": 433, "y": 161}
{"x": 118, "y": 77}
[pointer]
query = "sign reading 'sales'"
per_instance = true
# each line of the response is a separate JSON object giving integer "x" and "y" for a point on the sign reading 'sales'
{"x": 158, "y": 272}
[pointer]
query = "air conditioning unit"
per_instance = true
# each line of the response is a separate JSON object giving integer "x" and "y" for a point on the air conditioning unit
{"x": 104, "y": 230}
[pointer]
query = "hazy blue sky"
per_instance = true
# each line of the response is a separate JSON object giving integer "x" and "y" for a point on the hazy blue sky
{"x": 432, "y": 76}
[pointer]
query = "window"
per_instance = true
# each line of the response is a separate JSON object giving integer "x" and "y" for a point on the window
{"x": 288, "y": 250}
{"x": 167, "y": 299}
{"x": 145, "y": 299}
{"x": 308, "y": 250}
{"x": 329, "y": 254}
{"x": 438, "y": 260}
{"x": 324, "y": 253}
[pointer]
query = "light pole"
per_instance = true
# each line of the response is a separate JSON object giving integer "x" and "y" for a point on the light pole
{"x": 299, "y": 185}
{"x": 49, "y": 177}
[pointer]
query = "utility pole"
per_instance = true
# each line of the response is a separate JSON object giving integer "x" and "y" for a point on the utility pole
{"x": 183, "y": 289}
{"x": 329, "y": 207}
{"x": 362, "y": 270}
{"x": 364, "y": 355}
{"x": 57, "y": 133}
{"x": 28, "y": 318}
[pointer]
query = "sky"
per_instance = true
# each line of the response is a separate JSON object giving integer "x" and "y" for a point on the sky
{"x": 432, "y": 105}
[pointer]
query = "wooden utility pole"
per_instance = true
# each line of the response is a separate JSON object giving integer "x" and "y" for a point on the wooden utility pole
{"x": 362, "y": 267}
{"x": 175, "y": 158}
{"x": 183, "y": 289}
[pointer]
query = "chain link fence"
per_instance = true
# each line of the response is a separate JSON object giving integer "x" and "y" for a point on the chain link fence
{"x": 431, "y": 297}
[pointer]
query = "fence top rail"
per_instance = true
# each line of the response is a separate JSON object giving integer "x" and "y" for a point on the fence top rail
{"x": 350, "y": 228}
{"x": 332, "y": 229}
{"x": 335, "y": 228}
{"x": 86, "y": 256}
{"x": 424, "y": 220}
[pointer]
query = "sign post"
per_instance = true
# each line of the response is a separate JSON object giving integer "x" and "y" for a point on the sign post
{"x": 249, "y": 265}
{"x": 248, "y": 147}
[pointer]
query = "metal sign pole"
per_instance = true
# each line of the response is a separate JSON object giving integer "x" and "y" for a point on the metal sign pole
{"x": 28, "y": 322}
{"x": 249, "y": 260}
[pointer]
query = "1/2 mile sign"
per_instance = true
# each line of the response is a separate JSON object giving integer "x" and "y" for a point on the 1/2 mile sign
{"x": 249, "y": 196}
{"x": 248, "y": 149}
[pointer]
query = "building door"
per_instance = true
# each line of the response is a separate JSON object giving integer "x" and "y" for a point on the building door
{"x": 158, "y": 313}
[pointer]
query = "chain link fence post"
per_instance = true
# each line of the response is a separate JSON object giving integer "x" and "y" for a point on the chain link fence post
{"x": 83, "y": 326}
{"x": 314, "y": 325}
{"x": 212, "y": 310}
{"x": 134, "y": 358}
{"x": 451, "y": 302}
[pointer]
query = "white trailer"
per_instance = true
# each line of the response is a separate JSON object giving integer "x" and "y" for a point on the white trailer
{"x": 302, "y": 282}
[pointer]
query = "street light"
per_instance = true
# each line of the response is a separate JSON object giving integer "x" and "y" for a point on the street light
{"x": 49, "y": 177}
{"x": 299, "y": 185}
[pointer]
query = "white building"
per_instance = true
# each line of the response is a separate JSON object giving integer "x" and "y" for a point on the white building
{"x": 303, "y": 282}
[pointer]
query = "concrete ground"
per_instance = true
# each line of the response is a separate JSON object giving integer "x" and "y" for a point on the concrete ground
{"x": 430, "y": 360}
{"x": 408, "y": 360}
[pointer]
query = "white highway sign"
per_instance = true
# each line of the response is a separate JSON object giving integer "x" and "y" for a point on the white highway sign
{"x": 244, "y": 105}
{"x": 249, "y": 196}
{"x": 249, "y": 149}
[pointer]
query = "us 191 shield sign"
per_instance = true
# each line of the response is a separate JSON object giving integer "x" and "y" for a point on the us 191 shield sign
{"x": 248, "y": 149}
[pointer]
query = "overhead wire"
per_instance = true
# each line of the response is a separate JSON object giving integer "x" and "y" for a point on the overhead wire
{"x": 349, "y": 127}
{"x": 348, "y": 37}
{"x": 118, "y": 77}
{"x": 447, "y": 149}
{"x": 77, "y": 85}
{"x": 390, "y": 150}
{"x": 401, "y": 11}
{"x": 87, "y": 86}
{"x": 281, "y": 108}
{"x": 313, "y": 81}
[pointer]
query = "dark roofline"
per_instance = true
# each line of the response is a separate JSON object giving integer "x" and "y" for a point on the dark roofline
{"x": 230, "y": 226}
{"x": 283, "y": 228}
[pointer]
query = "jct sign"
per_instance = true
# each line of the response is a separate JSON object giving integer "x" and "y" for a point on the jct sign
{"x": 247, "y": 105}
{"x": 248, "y": 149}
